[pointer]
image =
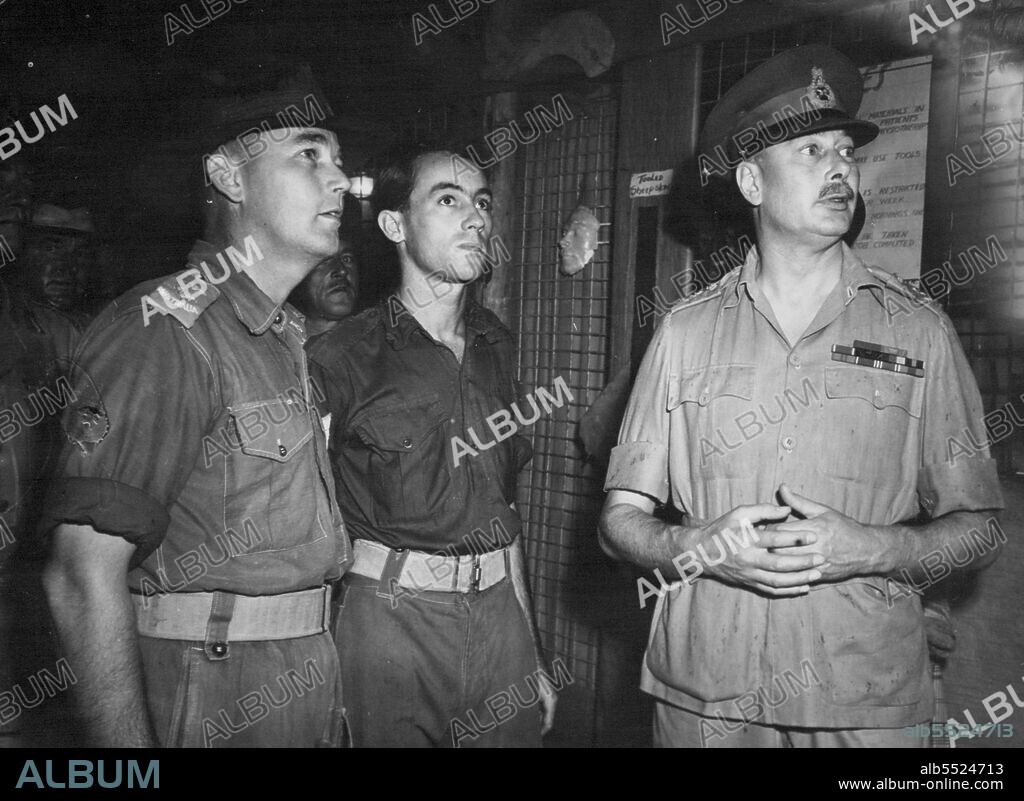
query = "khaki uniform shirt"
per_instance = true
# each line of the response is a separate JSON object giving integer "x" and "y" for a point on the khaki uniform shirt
{"x": 723, "y": 411}
{"x": 196, "y": 437}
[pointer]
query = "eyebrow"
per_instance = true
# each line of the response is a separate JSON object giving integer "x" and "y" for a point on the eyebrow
{"x": 819, "y": 134}
{"x": 458, "y": 188}
{"x": 309, "y": 137}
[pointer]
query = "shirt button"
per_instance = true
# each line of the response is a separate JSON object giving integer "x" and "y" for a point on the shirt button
{"x": 281, "y": 449}
{"x": 878, "y": 400}
{"x": 219, "y": 648}
{"x": 789, "y": 443}
{"x": 795, "y": 361}
{"x": 278, "y": 320}
{"x": 407, "y": 443}
{"x": 703, "y": 399}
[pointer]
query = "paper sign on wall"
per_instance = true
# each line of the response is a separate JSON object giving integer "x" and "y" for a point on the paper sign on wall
{"x": 892, "y": 168}
{"x": 650, "y": 184}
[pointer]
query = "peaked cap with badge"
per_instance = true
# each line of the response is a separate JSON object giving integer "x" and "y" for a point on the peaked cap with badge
{"x": 798, "y": 92}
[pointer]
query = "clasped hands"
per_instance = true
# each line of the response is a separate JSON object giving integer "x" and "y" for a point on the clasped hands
{"x": 820, "y": 545}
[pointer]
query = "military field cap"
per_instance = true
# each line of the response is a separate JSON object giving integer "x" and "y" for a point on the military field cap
{"x": 53, "y": 218}
{"x": 272, "y": 97}
{"x": 798, "y": 92}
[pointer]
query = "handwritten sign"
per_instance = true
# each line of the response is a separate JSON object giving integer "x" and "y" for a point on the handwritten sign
{"x": 892, "y": 168}
{"x": 650, "y": 184}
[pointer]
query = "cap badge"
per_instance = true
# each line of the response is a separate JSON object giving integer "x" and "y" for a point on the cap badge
{"x": 819, "y": 92}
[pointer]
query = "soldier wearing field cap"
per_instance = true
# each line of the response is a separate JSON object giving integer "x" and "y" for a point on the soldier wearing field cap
{"x": 55, "y": 238}
{"x": 795, "y": 397}
{"x": 45, "y": 282}
{"x": 195, "y": 528}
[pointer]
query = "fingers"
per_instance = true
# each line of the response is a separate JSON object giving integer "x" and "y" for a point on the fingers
{"x": 790, "y": 563}
{"x": 940, "y": 634}
{"x": 799, "y": 503}
{"x": 804, "y": 550}
{"x": 548, "y": 703}
{"x": 781, "y": 592}
{"x": 784, "y": 584}
{"x": 759, "y": 511}
{"x": 776, "y": 583}
{"x": 784, "y": 580}
{"x": 778, "y": 537}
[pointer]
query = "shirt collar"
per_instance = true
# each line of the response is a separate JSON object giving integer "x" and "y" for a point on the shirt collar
{"x": 254, "y": 309}
{"x": 853, "y": 277}
{"x": 400, "y": 324}
{"x": 856, "y": 276}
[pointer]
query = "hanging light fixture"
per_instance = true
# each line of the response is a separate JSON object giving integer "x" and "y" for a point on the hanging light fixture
{"x": 362, "y": 185}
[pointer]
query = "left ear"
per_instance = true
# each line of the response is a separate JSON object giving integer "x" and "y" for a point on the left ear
{"x": 390, "y": 224}
{"x": 748, "y": 180}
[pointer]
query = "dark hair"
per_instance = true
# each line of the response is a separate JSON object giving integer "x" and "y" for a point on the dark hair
{"x": 398, "y": 175}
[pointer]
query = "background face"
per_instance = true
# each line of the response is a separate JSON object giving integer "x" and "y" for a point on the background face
{"x": 332, "y": 289}
{"x": 51, "y": 267}
{"x": 448, "y": 224}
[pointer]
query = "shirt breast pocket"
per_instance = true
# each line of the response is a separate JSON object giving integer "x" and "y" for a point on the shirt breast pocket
{"x": 271, "y": 480}
{"x": 874, "y": 418}
{"x": 709, "y": 387}
{"x": 409, "y": 458}
{"x": 713, "y": 401}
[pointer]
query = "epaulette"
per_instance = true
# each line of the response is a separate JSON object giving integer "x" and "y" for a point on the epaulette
{"x": 709, "y": 292}
{"x": 171, "y": 298}
{"x": 910, "y": 288}
{"x": 345, "y": 334}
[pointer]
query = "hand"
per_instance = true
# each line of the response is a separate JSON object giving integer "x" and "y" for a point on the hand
{"x": 548, "y": 701}
{"x": 848, "y": 547}
{"x": 756, "y": 565}
{"x": 939, "y": 629}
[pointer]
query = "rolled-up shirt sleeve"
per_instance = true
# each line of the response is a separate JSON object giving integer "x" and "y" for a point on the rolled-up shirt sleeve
{"x": 639, "y": 463}
{"x": 956, "y": 472}
{"x": 144, "y": 400}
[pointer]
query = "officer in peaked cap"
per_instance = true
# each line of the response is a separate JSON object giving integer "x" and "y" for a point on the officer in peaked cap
{"x": 799, "y": 92}
{"x": 804, "y": 395}
{"x": 195, "y": 529}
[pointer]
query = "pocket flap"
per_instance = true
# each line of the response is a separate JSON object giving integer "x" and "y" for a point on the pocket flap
{"x": 274, "y": 429}
{"x": 703, "y": 385}
{"x": 401, "y": 428}
{"x": 878, "y": 387}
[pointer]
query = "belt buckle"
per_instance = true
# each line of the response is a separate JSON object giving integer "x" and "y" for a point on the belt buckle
{"x": 474, "y": 584}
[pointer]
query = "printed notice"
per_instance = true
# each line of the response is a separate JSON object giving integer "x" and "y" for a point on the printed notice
{"x": 650, "y": 184}
{"x": 892, "y": 168}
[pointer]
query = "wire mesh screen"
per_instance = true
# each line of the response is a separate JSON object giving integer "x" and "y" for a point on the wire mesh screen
{"x": 983, "y": 267}
{"x": 856, "y": 33}
{"x": 563, "y": 333}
